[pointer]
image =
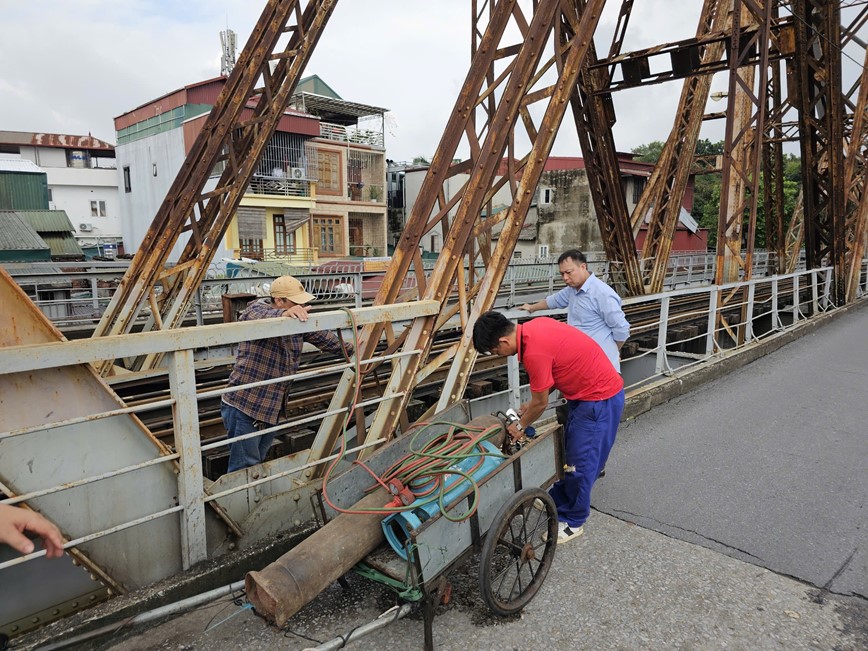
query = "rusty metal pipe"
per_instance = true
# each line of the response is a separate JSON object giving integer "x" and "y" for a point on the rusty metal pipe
{"x": 281, "y": 589}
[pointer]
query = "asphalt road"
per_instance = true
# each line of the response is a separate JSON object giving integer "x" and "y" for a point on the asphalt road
{"x": 768, "y": 464}
{"x": 733, "y": 517}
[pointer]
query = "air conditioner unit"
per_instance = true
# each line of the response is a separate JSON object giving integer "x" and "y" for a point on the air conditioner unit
{"x": 296, "y": 173}
{"x": 85, "y": 228}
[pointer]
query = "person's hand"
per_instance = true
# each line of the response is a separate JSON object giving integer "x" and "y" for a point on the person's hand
{"x": 299, "y": 312}
{"x": 15, "y": 521}
{"x": 526, "y": 307}
{"x": 514, "y": 433}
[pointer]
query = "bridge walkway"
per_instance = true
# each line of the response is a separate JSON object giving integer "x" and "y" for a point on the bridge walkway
{"x": 731, "y": 517}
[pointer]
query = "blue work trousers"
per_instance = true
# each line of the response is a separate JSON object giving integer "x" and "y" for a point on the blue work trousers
{"x": 588, "y": 438}
{"x": 243, "y": 454}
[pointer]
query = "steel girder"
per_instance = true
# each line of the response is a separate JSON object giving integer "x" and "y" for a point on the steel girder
{"x": 564, "y": 29}
{"x": 740, "y": 181}
{"x": 225, "y": 137}
{"x": 661, "y": 200}
{"x": 773, "y": 160}
{"x": 594, "y": 117}
{"x": 855, "y": 183}
{"x": 819, "y": 100}
{"x": 795, "y": 237}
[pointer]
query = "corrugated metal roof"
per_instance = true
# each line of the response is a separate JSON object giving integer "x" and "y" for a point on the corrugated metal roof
{"x": 48, "y": 221}
{"x": 264, "y": 268}
{"x": 16, "y": 233}
{"x": 54, "y": 229}
{"x": 329, "y": 107}
{"x": 20, "y": 165}
{"x": 64, "y": 141}
{"x": 63, "y": 245}
{"x": 32, "y": 268}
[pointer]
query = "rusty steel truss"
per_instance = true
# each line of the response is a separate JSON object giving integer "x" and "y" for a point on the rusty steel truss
{"x": 285, "y": 35}
{"x": 531, "y": 61}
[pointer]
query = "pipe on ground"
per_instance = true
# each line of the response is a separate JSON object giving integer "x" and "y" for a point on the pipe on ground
{"x": 281, "y": 589}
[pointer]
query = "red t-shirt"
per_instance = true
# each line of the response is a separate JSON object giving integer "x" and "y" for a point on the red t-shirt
{"x": 557, "y": 355}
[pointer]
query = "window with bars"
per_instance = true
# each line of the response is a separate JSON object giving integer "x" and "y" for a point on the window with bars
{"x": 284, "y": 240}
{"x": 328, "y": 234}
{"x": 638, "y": 186}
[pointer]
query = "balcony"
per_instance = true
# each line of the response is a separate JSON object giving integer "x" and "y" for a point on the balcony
{"x": 279, "y": 186}
{"x": 294, "y": 255}
{"x": 352, "y": 135}
{"x": 369, "y": 192}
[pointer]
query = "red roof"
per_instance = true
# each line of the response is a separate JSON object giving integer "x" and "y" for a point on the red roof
{"x": 58, "y": 140}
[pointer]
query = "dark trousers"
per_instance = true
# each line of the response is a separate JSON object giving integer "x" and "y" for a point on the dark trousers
{"x": 589, "y": 435}
{"x": 243, "y": 454}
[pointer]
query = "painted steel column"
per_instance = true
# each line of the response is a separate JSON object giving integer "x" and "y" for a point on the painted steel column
{"x": 191, "y": 491}
{"x": 712, "y": 322}
{"x": 514, "y": 381}
{"x": 661, "y": 366}
{"x": 776, "y": 319}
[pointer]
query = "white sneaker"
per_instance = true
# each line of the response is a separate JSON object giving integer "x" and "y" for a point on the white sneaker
{"x": 566, "y": 532}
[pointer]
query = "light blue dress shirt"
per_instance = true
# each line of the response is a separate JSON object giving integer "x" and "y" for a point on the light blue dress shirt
{"x": 595, "y": 309}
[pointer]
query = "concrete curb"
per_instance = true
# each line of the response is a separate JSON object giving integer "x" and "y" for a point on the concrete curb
{"x": 205, "y": 576}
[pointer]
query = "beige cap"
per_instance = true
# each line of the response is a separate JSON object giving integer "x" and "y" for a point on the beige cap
{"x": 289, "y": 287}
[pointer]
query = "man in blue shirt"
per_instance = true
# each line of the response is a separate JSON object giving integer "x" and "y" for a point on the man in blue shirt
{"x": 592, "y": 306}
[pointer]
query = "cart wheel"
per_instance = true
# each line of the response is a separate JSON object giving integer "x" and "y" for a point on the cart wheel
{"x": 517, "y": 552}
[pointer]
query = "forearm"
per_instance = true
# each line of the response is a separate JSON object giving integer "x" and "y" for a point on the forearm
{"x": 533, "y": 409}
{"x": 533, "y": 307}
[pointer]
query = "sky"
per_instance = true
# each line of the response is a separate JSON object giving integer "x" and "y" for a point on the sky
{"x": 71, "y": 66}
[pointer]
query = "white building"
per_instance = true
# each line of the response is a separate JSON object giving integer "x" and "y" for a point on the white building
{"x": 82, "y": 179}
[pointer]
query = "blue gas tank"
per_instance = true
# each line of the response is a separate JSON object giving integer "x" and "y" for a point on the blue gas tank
{"x": 397, "y": 527}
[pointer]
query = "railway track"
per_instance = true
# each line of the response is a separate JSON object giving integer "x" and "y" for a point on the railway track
{"x": 688, "y": 318}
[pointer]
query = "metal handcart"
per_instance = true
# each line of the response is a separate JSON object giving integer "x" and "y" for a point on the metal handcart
{"x": 512, "y": 523}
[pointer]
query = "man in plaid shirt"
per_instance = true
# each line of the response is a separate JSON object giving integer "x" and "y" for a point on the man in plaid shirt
{"x": 247, "y": 410}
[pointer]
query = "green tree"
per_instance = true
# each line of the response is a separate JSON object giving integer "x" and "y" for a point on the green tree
{"x": 649, "y": 153}
{"x": 706, "y": 188}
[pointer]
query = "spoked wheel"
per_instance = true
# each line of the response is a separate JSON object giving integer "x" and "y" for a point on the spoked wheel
{"x": 518, "y": 551}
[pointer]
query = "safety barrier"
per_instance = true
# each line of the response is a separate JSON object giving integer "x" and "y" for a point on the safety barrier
{"x": 179, "y": 347}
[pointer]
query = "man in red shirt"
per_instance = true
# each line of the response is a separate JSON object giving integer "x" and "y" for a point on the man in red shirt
{"x": 558, "y": 356}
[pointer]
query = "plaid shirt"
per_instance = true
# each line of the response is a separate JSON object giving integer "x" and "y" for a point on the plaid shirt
{"x": 264, "y": 359}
